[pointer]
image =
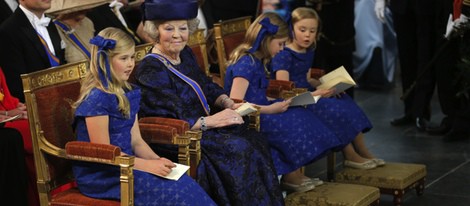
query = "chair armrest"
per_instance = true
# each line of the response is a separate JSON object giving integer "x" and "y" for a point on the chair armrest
{"x": 316, "y": 73}
{"x": 181, "y": 126}
{"x": 157, "y": 133}
{"x": 86, "y": 150}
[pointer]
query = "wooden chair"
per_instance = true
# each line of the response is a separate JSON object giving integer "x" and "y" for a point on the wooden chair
{"x": 228, "y": 35}
{"x": 49, "y": 94}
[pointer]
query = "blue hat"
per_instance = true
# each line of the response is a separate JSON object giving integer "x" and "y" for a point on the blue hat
{"x": 169, "y": 9}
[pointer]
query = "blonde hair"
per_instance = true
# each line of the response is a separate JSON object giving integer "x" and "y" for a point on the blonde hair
{"x": 250, "y": 37}
{"x": 151, "y": 27}
{"x": 116, "y": 86}
{"x": 305, "y": 13}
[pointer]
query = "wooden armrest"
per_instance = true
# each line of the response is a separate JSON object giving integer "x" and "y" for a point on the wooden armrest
{"x": 157, "y": 133}
{"x": 285, "y": 85}
{"x": 81, "y": 150}
{"x": 316, "y": 73}
{"x": 181, "y": 126}
{"x": 238, "y": 100}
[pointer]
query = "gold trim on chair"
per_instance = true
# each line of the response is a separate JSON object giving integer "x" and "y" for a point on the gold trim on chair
{"x": 49, "y": 95}
{"x": 223, "y": 30}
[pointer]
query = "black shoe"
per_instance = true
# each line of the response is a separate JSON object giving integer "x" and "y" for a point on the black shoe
{"x": 405, "y": 120}
{"x": 421, "y": 123}
{"x": 455, "y": 135}
{"x": 442, "y": 129}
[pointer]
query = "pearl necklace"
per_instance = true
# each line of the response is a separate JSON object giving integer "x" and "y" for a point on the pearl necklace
{"x": 168, "y": 57}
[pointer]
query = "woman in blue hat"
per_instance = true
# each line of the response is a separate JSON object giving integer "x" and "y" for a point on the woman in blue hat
{"x": 236, "y": 166}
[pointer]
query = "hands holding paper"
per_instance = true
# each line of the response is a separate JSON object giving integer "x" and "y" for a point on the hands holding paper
{"x": 324, "y": 92}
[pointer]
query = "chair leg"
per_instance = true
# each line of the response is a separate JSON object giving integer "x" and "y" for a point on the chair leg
{"x": 398, "y": 197}
{"x": 331, "y": 164}
{"x": 420, "y": 187}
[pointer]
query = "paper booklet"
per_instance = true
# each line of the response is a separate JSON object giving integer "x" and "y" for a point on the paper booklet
{"x": 338, "y": 79}
{"x": 245, "y": 109}
{"x": 175, "y": 173}
{"x": 304, "y": 99}
{"x": 11, "y": 118}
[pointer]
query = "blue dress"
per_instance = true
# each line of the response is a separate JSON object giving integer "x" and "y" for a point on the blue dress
{"x": 102, "y": 181}
{"x": 236, "y": 166}
{"x": 342, "y": 115}
{"x": 296, "y": 136}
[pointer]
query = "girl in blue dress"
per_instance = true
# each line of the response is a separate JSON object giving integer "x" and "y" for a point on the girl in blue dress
{"x": 106, "y": 113}
{"x": 295, "y": 135}
{"x": 342, "y": 115}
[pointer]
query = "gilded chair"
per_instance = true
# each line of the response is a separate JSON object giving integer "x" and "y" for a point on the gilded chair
{"x": 197, "y": 43}
{"x": 228, "y": 35}
{"x": 49, "y": 95}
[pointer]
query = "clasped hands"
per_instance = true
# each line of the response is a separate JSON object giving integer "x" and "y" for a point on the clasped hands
{"x": 19, "y": 110}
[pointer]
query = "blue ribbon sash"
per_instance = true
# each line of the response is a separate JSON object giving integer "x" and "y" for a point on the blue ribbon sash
{"x": 74, "y": 39}
{"x": 52, "y": 58}
{"x": 192, "y": 83}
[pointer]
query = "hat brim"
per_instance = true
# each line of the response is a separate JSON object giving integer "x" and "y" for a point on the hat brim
{"x": 58, "y": 11}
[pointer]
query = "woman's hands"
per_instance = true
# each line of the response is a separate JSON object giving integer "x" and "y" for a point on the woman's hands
{"x": 19, "y": 110}
{"x": 224, "y": 118}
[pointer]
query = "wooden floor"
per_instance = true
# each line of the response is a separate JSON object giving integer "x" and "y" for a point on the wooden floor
{"x": 448, "y": 163}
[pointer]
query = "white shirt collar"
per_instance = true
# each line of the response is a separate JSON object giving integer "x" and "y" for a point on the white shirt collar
{"x": 31, "y": 16}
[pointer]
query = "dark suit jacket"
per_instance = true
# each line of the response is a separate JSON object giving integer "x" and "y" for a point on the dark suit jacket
{"x": 102, "y": 18}
{"x": 22, "y": 52}
{"x": 220, "y": 10}
{"x": 5, "y": 11}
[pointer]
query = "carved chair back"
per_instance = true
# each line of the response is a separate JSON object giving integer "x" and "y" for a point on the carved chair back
{"x": 49, "y": 95}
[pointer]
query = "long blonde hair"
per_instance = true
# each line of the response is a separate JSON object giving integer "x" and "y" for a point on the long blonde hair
{"x": 98, "y": 65}
{"x": 250, "y": 37}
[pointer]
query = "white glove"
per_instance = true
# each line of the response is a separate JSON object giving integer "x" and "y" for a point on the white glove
{"x": 461, "y": 20}
{"x": 451, "y": 25}
{"x": 380, "y": 9}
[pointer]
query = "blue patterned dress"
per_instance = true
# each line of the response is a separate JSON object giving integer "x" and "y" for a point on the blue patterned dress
{"x": 236, "y": 166}
{"x": 296, "y": 136}
{"x": 102, "y": 181}
{"x": 342, "y": 115}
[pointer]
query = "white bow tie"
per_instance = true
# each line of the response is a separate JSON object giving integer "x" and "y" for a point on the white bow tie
{"x": 43, "y": 22}
{"x": 116, "y": 4}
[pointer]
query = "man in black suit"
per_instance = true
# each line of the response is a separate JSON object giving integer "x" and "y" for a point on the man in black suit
{"x": 23, "y": 50}
{"x": 416, "y": 37}
{"x": 7, "y": 7}
{"x": 103, "y": 17}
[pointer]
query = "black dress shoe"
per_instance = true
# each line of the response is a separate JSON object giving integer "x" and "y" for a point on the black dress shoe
{"x": 405, "y": 120}
{"x": 442, "y": 129}
{"x": 455, "y": 135}
{"x": 421, "y": 123}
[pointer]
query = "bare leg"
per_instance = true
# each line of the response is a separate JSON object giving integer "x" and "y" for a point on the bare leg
{"x": 361, "y": 148}
{"x": 294, "y": 177}
{"x": 351, "y": 154}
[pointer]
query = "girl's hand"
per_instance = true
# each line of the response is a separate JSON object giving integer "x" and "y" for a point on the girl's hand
{"x": 161, "y": 166}
{"x": 18, "y": 111}
{"x": 279, "y": 107}
{"x": 224, "y": 118}
{"x": 323, "y": 92}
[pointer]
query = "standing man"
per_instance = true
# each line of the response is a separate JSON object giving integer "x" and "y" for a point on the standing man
{"x": 30, "y": 42}
{"x": 414, "y": 22}
{"x": 449, "y": 78}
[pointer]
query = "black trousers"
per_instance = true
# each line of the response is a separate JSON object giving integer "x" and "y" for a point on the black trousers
{"x": 13, "y": 177}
